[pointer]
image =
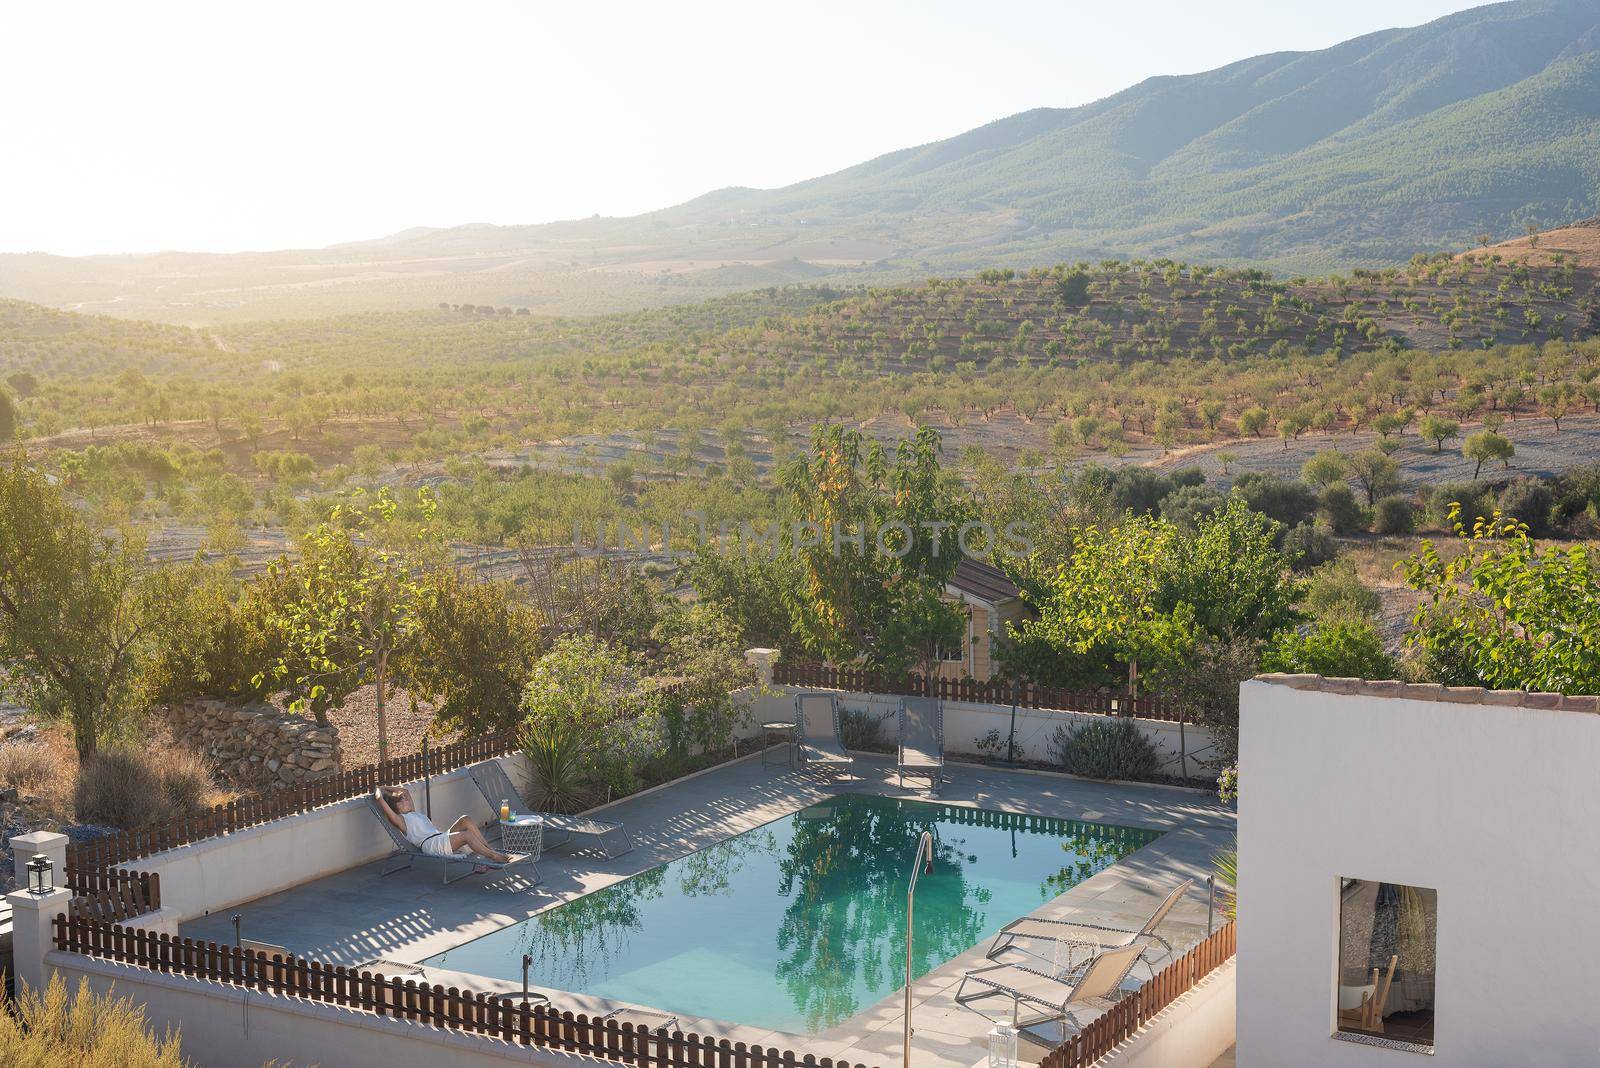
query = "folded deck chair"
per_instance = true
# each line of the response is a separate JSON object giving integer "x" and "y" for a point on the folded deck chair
{"x": 816, "y": 718}
{"x": 1089, "y": 934}
{"x": 922, "y": 741}
{"x": 404, "y": 848}
{"x": 495, "y": 785}
{"x": 1095, "y": 985}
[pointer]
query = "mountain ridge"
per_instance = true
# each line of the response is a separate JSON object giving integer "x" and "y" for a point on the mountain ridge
{"x": 1355, "y": 155}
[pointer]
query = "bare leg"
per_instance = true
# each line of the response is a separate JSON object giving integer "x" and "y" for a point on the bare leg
{"x": 463, "y": 832}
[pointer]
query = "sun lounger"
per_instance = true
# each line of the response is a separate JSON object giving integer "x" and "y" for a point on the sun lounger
{"x": 607, "y": 836}
{"x": 1096, "y": 985}
{"x": 1093, "y": 936}
{"x": 411, "y": 853}
{"x": 816, "y": 717}
{"x": 921, "y": 750}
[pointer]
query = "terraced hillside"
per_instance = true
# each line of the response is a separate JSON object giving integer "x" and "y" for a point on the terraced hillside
{"x": 1163, "y": 309}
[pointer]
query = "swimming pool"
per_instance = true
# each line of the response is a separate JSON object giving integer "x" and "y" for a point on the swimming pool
{"x": 799, "y": 924}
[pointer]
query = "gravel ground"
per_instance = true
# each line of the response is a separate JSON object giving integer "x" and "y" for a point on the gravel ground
{"x": 1541, "y": 450}
{"x": 358, "y": 726}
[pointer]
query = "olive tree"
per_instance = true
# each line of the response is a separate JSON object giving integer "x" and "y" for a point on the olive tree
{"x": 80, "y": 611}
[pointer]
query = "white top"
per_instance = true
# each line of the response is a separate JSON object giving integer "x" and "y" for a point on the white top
{"x": 419, "y": 828}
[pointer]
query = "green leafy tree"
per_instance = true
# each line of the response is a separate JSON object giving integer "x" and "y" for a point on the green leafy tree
{"x": 1138, "y": 599}
{"x": 1377, "y": 475}
{"x": 752, "y": 585}
{"x": 474, "y": 646}
{"x": 1325, "y": 468}
{"x": 1438, "y": 429}
{"x": 352, "y": 604}
{"x": 10, "y": 417}
{"x": 1505, "y": 613}
{"x": 1484, "y": 446}
{"x": 701, "y": 661}
{"x": 1073, "y": 288}
{"x": 79, "y": 611}
{"x": 880, "y": 545}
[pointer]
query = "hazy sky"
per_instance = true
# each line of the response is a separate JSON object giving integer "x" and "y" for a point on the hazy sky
{"x": 228, "y": 125}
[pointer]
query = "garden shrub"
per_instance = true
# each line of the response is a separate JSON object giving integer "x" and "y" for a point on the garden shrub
{"x": 1338, "y": 510}
{"x": 1394, "y": 515}
{"x": 1113, "y": 749}
{"x": 1347, "y": 647}
{"x": 134, "y": 788}
{"x": 1472, "y": 496}
{"x": 1529, "y": 501}
{"x": 1336, "y": 589}
{"x": 1307, "y": 547}
{"x": 864, "y": 731}
{"x": 592, "y": 690}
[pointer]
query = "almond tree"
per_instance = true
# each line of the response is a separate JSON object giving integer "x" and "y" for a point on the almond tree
{"x": 353, "y": 604}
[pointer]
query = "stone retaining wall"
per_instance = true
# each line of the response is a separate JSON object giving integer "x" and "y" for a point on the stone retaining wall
{"x": 258, "y": 744}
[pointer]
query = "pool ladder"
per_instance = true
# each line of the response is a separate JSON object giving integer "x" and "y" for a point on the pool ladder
{"x": 921, "y": 862}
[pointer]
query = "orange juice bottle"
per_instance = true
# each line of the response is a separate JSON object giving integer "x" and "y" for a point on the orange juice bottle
{"x": 505, "y": 809}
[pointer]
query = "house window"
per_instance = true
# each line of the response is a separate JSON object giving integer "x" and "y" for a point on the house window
{"x": 1387, "y": 935}
{"x": 953, "y": 655}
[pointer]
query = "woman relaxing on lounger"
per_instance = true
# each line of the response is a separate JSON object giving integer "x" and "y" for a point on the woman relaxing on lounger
{"x": 463, "y": 837}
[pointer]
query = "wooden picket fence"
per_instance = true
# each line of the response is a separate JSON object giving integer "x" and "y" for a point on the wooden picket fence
{"x": 507, "y": 1019}
{"x": 993, "y": 691}
{"x": 284, "y": 801}
{"x": 1134, "y": 1011}
{"x": 111, "y": 893}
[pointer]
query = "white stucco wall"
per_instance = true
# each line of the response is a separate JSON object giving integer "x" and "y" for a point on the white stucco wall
{"x": 1192, "y": 1032}
{"x": 229, "y": 1027}
{"x": 234, "y": 868}
{"x": 1490, "y": 803}
{"x": 966, "y": 722}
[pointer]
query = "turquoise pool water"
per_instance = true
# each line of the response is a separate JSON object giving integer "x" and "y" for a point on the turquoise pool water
{"x": 799, "y": 924}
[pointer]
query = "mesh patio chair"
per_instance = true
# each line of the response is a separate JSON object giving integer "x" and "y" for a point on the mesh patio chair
{"x": 403, "y": 848}
{"x": 816, "y": 717}
{"x": 1097, "y": 984}
{"x": 921, "y": 749}
{"x": 607, "y": 835}
{"x": 1091, "y": 936}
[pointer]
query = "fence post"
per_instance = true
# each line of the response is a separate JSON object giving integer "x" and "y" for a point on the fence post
{"x": 32, "y": 932}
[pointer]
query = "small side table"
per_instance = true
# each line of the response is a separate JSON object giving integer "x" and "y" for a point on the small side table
{"x": 523, "y": 834}
{"x": 782, "y": 731}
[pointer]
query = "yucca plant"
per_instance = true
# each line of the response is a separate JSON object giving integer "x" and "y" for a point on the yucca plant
{"x": 560, "y": 771}
{"x": 86, "y": 1030}
{"x": 1226, "y": 866}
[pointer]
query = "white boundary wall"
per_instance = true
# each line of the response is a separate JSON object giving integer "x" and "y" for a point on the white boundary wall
{"x": 966, "y": 723}
{"x": 1490, "y": 798}
{"x": 231, "y": 869}
{"x": 230, "y": 1027}
{"x": 1192, "y": 1032}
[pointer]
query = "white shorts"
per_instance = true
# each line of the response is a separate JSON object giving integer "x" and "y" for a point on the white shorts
{"x": 438, "y": 845}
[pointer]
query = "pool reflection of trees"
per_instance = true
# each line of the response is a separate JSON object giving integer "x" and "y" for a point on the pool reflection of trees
{"x": 1090, "y": 850}
{"x": 845, "y": 876}
{"x": 583, "y": 936}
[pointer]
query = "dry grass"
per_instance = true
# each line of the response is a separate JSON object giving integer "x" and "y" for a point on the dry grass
{"x": 133, "y": 788}
{"x": 45, "y": 769}
{"x": 85, "y": 1030}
